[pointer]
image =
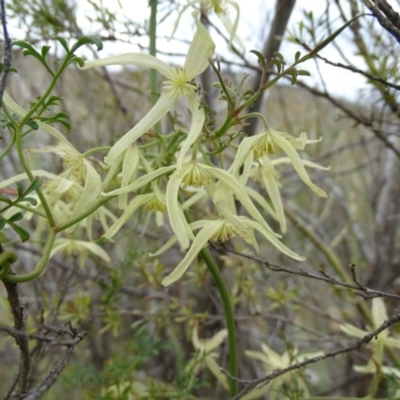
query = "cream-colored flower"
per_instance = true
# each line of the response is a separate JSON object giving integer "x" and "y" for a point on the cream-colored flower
{"x": 220, "y": 230}
{"x": 379, "y": 315}
{"x": 220, "y": 8}
{"x": 78, "y": 168}
{"x": 151, "y": 202}
{"x": 271, "y": 142}
{"x": 206, "y": 352}
{"x": 178, "y": 83}
{"x": 273, "y": 361}
{"x": 197, "y": 174}
{"x": 79, "y": 248}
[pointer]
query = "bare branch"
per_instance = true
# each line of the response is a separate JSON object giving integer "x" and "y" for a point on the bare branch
{"x": 7, "y": 52}
{"x": 17, "y": 311}
{"x": 37, "y": 392}
{"x": 354, "y": 346}
{"x": 324, "y": 277}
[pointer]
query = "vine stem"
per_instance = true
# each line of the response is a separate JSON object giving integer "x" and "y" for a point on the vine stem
{"x": 153, "y": 51}
{"x": 229, "y": 317}
{"x": 228, "y": 311}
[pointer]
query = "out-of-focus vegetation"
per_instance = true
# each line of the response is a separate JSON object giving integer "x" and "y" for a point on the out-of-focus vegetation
{"x": 146, "y": 341}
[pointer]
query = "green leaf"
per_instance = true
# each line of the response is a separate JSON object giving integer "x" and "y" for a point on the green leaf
{"x": 328, "y": 40}
{"x": 303, "y": 72}
{"x": 260, "y": 57}
{"x": 5, "y": 199}
{"x": 87, "y": 40}
{"x": 45, "y": 51}
{"x": 66, "y": 125}
{"x": 297, "y": 56}
{"x": 62, "y": 115}
{"x": 78, "y": 60}
{"x": 20, "y": 189}
{"x": 2, "y": 223}
{"x": 53, "y": 100}
{"x": 29, "y": 50}
{"x": 31, "y": 200}
{"x": 22, "y": 233}
{"x": 33, "y": 124}
{"x": 16, "y": 217}
{"x": 279, "y": 56}
{"x": 35, "y": 184}
{"x": 63, "y": 42}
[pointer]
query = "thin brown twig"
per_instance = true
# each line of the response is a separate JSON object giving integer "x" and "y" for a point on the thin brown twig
{"x": 43, "y": 338}
{"x": 37, "y": 392}
{"x": 300, "y": 272}
{"x": 17, "y": 311}
{"x": 352, "y": 69}
{"x": 7, "y": 52}
{"x": 351, "y": 114}
{"x": 354, "y": 346}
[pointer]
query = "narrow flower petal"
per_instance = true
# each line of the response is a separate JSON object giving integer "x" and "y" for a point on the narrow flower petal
{"x": 240, "y": 192}
{"x": 199, "y": 242}
{"x": 379, "y": 314}
{"x": 298, "y": 164}
{"x": 129, "y": 166}
{"x": 91, "y": 190}
{"x": 137, "y": 202}
{"x": 216, "y": 340}
{"x": 142, "y": 181}
{"x": 95, "y": 249}
{"x": 351, "y": 330}
{"x": 138, "y": 59}
{"x": 198, "y": 118}
{"x": 179, "y": 226}
{"x": 232, "y": 28}
{"x": 274, "y": 359}
{"x": 273, "y": 240}
{"x": 163, "y": 106}
{"x": 200, "y": 51}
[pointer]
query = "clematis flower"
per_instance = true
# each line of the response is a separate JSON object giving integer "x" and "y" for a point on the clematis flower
{"x": 272, "y": 362}
{"x": 271, "y": 142}
{"x": 79, "y": 248}
{"x": 379, "y": 315}
{"x": 219, "y": 7}
{"x": 78, "y": 168}
{"x": 197, "y": 174}
{"x": 206, "y": 352}
{"x": 178, "y": 83}
{"x": 154, "y": 201}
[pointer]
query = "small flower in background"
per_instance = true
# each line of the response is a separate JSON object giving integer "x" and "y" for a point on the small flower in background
{"x": 77, "y": 169}
{"x": 379, "y": 315}
{"x": 72, "y": 247}
{"x": 178, "y": 83}
{"x": 272, "y": 361}
{"x": 206, "y": 353}
{"x": 220, "y": 8}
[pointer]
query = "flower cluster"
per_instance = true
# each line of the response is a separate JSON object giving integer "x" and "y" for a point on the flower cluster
{"x": 175, "y": 188}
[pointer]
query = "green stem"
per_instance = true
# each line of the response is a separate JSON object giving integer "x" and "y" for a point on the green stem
{"x": 153, "y": 51}
{"x": 18, "y": 140}
{"x": 229, "y": 317}
{"x": 39, "y": 268}
{"x": 88, "y": 211}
